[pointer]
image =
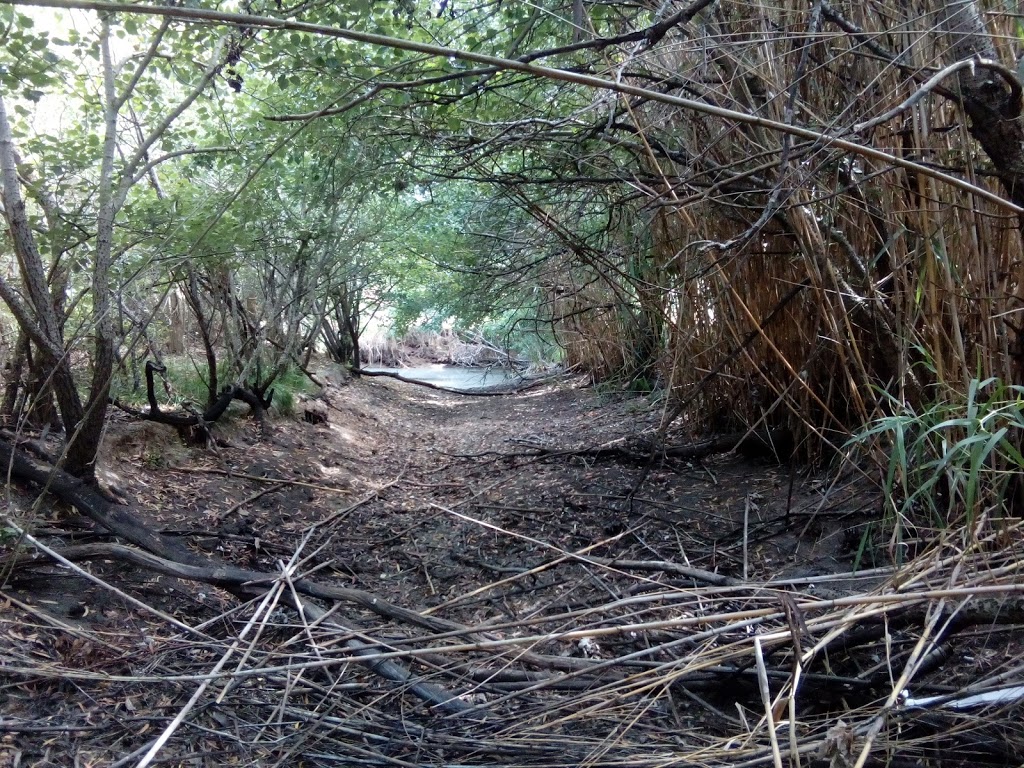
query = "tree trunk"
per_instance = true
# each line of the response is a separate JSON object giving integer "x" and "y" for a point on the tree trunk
{"x": 989, "y": 96}
{"x": 38, "y": 319}
{"x": 350, "y": 316}
{"x": 84, "y": 442}
{"x": 204, "y": 324}
{"x": 176, "y": 334}
{"x": 14, "y": 366}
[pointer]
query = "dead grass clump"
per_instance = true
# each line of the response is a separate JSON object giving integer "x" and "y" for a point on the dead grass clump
{"x": 419, "y": 346}
{"x": 144, "y": 442}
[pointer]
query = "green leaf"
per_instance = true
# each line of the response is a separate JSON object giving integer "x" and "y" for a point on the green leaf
{"x": 40, "y": 79}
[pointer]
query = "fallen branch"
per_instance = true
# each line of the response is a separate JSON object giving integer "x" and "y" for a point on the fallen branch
{"x": 494, "y": 391}
{"x": 194, "y": 427}
{"x": 171, "y": 557}
{"x": 774, "y": 443}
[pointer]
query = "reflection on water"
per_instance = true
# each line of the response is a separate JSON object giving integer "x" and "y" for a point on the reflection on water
{"x": 453, "y": 376}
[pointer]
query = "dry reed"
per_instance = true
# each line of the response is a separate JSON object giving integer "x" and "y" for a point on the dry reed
{"x": 806, "y": 279}
{"x": 767, "y": 672}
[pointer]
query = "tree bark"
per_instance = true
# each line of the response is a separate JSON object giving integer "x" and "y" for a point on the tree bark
{"x": 176, "y": 333}
{"x": 990, "y": 97}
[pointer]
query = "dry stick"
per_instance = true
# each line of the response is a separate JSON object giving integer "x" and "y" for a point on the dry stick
{"x": 270, "y": 596}
{"x": 76, "y": 632}
{"x": 26, "y": 536}
{"x": 235, "y": 507}
{"x": 179, "y": 561}
{"x": 257, "y": 478}
{"x": 876, "y": 605}
{"x": 381, "y": 663}
{"x": 916, "y": 655}
{"x": 746, "y": 535}
{"x": 341, "y": 514}
{"x": 579, "y": 556}
{"x": 1008, "y": 76}
{"x": 794, "y": 744}
{"x": 879, "y": 604}
{"x": 363, "y": 652}
{"x": 620, "y": 660}
{"x": 277, "y": 590}
{"x": 281, "y": 482}
{"x": 697, "y": 574}
{"x": 766, "y": 700}
{"x": 566, "y": 557}
{"x": 292, "y": 668}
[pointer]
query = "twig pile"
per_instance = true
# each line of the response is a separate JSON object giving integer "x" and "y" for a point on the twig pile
{"x": 638, "y": 673}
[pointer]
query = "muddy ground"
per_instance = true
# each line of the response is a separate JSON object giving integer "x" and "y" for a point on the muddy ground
{"x": 433, "y": 501}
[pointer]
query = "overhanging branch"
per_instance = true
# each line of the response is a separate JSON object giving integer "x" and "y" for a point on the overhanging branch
{"x": 551, "y": 73}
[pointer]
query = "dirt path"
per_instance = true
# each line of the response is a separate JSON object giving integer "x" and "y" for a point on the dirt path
{"x": 432, "y": 501}
{"x": 432, "y": 495}
{"x": 464, "y": 501}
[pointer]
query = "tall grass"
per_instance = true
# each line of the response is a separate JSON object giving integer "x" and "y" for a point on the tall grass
{"x": 957, "y": 462}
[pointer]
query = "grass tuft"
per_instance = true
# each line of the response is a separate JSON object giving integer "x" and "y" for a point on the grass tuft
{"x": 955, "y": 462}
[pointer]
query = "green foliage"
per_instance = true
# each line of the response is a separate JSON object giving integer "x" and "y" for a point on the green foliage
{"x": 8, "y": 536}
{"x": 519, "y": 331}
{"x": 952, "y": 461}
{"x": 287, "y": 387}
{"x": 28, "y": 63}
{"x": 360, "y": 207}
{"x": 186, "y": 383}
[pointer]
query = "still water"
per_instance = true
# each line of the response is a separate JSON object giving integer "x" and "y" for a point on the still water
{"x": 453, "y": 376}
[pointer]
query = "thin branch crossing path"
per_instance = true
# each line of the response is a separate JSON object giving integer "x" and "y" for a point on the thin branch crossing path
{"x": 475, "y": 579}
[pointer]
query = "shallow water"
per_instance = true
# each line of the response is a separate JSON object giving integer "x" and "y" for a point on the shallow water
{"x": 453, "y": 376}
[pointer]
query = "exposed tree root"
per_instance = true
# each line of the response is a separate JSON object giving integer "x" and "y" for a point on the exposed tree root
{"x": 168, "y": 556}
{"x": 194, "y": 427}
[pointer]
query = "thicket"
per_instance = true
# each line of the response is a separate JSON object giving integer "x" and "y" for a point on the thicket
{"x": 798, "y": 216}
{"x": 782, "y": 216}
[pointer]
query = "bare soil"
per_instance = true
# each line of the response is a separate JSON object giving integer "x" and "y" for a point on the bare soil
{"x": 434, "y": 501}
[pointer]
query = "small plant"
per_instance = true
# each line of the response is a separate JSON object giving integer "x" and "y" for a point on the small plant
{"x": 953, "y": 460}
{"x": 8, "y": 536}
{"x": 284, "y": 402}
{"x": 286, "y": 386}
{"x": 152, "y": 460}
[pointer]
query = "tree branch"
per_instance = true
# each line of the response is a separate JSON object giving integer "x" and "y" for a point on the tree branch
{"x": 590, "y": 81}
